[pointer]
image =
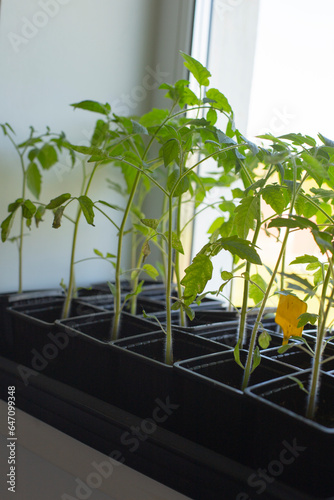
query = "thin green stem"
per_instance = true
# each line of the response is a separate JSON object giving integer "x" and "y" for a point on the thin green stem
{"x": 117, "y": 299}
{"x": 243, "y": 316}
{"x": 249, "y": 362}
{"x": 315, "y": 377}
{"x": 71, "y": 282}
{"x": 169, "y": 349}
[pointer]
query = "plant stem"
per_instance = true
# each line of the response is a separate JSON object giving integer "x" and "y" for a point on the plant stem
{"x": 71, "y": 282}
{"x": 243, "y": 316}
{"x": 20, "y": 287}
{"x": 249, "y": 362}
{"x": 315, "y": 377}
{"x": 169, "y": 350}
{"x": 117, "y": 298}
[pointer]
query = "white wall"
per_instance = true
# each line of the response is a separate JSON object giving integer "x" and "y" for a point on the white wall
{"x": 54, "y": 53}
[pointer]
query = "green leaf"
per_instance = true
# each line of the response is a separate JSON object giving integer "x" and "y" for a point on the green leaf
{"x": 284, "y": 348}
{"x": 12, "y": 207}
{"x": 323, "y": 240}
{"x": 171, "y": 152}
{"x": 226, "y": 275}
{"x": 257, "y": 288}
{"x": 89, "y": 150}
{"x": 94, "y": 106}
{"x": 264, "y": 340}
{"x": 327, "y": 142}
{"x": 299, "y": 383}
{"x": 314, "y": 168}
{"x": 196, "y": 277}
{"x": 87, "y": 205}
{"x": 97, "y": 252}
{"x": 182, "y": 187}
{"x": 154, "y": 118}
{"x": 253, "y": 147}
{"x": 138, "y": 128}
{"x": 237, "y": 246}
{"x": 236, "y": 353}
{"x": 57, "y": 217}
{"x": 274, "y": 197}
{"x": 59, "y": 200}
{"x": 6, "y": 226}
{"x": 28, "y": 209}
{"x": 256, "y": 358}
{"x": 99, "y": 134}
{"x": 39, "y": 214}
{"x": 112, "y": 288}
{"x": 34, "y": 179}
{"x": 219, "y": 100}
{"x": 307, "y": 318}
{"x": 152, "y": 223}
{"x": 197, "y": 69}
{"x": 151, "y": 271}
{"x": 47, "y": 156}
{"x": 246, "y": 213}
{"x": 305, "y": 259}
{"x": 176, "y": 242}
{"x": 114, "y": 207}
{"x": 211, "y": 116}
{"x": 294, "y": 221}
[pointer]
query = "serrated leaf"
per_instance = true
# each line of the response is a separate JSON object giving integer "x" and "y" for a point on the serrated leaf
{"x": 154, "y": 117}
{"x": 59, "y": 200}
{"x": 28, "y": 209}
{"x": 87, "y": 205}
{"x": 196, "y": 277}
{"x": 274, "y": 197}
{"x": 294, "y": 221}
{"x": 257, "y": 288}
{"x": 34, "y": 179}
{"x": 151, "y": 271}
{"x": 307, "y": 318}
{"x": 12, "y": 207}
{"x": 176, "y": 242}
{"x": 171, "y": 152}
{"x": 6, "y": 226}
{"x": 93, "y": 106}
{"x": 99, "y": 134}
{"x": 138, "y": 128}
{"x": 218, "y": 100}
{"x": 197, "y": 69}
{"x": 253, "y": 147}
{"x": 264, "y": 340}
{"x": 305, "y": 259}
{"x": 182, "y": 187}
{"x": 152, "y": 223}
{"x": 47, "y": 156}
{"x": 323, "y": 240}
{"x": 314, "y": 168}
{"x": 237, "y": 246}
{"x": 246, "y": 213}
